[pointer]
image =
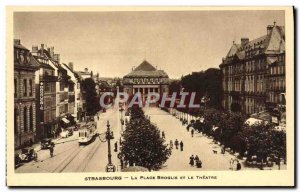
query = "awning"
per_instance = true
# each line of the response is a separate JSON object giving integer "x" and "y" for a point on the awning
{"x": 65, "y": 120}
{"x": 252, "y": 121}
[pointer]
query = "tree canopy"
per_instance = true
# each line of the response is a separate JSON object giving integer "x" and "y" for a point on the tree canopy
{"x": 92, "y": 100}
{"x": 142, "y": 144}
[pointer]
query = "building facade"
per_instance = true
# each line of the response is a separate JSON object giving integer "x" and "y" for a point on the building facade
{"x": 146, "y": 79}
{"x": 45, "y": 82}
{"x": 24, "y": 96}
{"x": 74, "y": 91}
{"x": 253, "y": 75}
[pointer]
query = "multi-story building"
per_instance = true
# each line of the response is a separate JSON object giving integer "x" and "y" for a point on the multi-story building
{"x": 145, "y": 79}
{"x": 61, "y": 85}
{"x": 253, "y": 74}
{"x": 45, "y": 82}
{"x": 74, "y": 91}
{"x": 24, "y": 95}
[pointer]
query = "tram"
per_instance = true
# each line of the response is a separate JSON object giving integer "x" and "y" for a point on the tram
{"x": 87, "y": 132}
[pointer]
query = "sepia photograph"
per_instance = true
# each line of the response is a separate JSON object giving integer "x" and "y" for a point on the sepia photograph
{"x": 126, "y": 96}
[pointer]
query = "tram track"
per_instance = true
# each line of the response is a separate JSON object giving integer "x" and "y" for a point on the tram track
{"x": 61, "y": 167}
{"x": 87, "y": 159}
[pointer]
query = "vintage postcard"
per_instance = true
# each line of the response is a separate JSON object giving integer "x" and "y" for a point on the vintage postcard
{"x": 150, "y": 96}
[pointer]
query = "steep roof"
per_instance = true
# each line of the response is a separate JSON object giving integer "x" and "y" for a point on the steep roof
{"x": 40, "y": 64}
{"x": 145, "y": 69}
{"x": 273, "y": 42}
{"x": 145, "y": 66}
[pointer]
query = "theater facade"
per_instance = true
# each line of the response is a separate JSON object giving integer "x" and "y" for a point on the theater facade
{"x": 146, "y": 79}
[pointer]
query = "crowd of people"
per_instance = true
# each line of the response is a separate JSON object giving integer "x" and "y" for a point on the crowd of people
{"x": 195, "y": 161}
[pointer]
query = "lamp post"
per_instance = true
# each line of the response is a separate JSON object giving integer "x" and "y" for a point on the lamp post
{"x": 109, "y": 135}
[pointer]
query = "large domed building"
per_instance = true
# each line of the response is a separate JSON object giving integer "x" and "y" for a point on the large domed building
{"x": 145, "y": 79}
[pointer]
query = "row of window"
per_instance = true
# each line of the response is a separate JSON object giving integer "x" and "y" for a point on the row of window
{"x": 277, "y": 70}
{"x": 27, "y": 85}
{"x": 250, "y": 84}
{"x": 49, "y": 87}
{"x": 27, "y": 118}
{"x": 277, "y": 83}
{"x": 275, "y": 98}
{"x": 49, "y": 116}
{"x": 146, "y": 90}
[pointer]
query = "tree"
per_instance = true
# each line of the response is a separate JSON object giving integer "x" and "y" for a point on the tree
{"x": 205, "y": 83}
{"x": 92, "y": 100}
{"x": 278, "y": 147}
{"x": 258, "y": 140}
{"x": 142, "y": 144}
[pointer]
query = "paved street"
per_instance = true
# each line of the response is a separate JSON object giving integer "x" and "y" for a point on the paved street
{"x": 198, "y": 145}
{"x": 70, "y": 157}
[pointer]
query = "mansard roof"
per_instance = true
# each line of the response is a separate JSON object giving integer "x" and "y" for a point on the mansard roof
{"x": 272, "y": 43}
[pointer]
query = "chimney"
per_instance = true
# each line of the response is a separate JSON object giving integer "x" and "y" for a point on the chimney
{"x": 17, "y": 41}
{"x": 56, "y": 58}
{"x": 51, "y": 52}
{"x": 70, "y": 65}
{"x": 269, "y": 29}
{"x": 244, "y": 41}
{"x": 86, "y": 70}
{"x": 35, "y": 50}
{"x": 42, "y": 48}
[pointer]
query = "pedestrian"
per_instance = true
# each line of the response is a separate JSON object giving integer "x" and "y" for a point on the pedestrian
{"x": 223, "y": 150}
{"x": 196, "y": 158}
{"x": 192, "y": 132}
{"x": 176, "y": 143}
{"x": 231, "y": 164}
{"x": 163, "y": 134}
{"x": 199, "y": 163}
{"x": 238, "y": 166}
{"x": 171, "y": 144}
{"x": 181, "y": 145}
{"x": 192, "y": 160}
{"x": 51, "y": 149}
{"x": 116, "y": 146}
{"x": 122, "y": 163}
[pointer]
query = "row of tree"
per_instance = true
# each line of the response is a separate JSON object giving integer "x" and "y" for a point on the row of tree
{"x": 260, "y": 140}
{"x": 142, "y": 143}
{"x": 204, "y": 83}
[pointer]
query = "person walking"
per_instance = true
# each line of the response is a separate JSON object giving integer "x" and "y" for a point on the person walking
{"x": 171, "y": 144}
{"x": 163, "y": 134}
{"x": 192, "y": 132}
{"x": 196, "y": 158}
{"x": 116, "y": 146}
{"x": 199, "y": 163}
{"x": 238, "y": 166}
{"x": 51, "y": 149}
{"x": 192, "y": 160}
{"x": 231, "y": 164}
{"x": 181, "y": 145}
{"x": 176, "y": 143}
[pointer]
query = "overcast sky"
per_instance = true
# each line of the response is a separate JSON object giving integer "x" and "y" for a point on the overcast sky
{"x": 111, "y": 43}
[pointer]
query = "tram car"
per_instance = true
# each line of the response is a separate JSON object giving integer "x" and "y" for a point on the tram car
{"x": 87, "y": 132}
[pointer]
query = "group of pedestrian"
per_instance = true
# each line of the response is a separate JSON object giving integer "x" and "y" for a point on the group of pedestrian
{"x": 195, "y": 161}
{"x": 177, "y": 144}
{"x": 234, "y": 164}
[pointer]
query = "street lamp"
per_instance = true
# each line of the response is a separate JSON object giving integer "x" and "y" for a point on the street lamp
{"x": 109, "y": 135}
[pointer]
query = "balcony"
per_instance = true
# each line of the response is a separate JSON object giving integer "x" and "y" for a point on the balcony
{"x": 48, "y": 78}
